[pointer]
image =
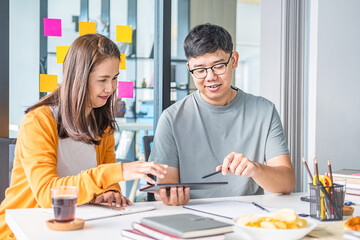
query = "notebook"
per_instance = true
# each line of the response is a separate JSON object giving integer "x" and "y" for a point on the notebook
{"x": 142, "y": 231}
{"x": 187, "y": 225}
{"x": 229, "y": 209}
{"x": 93, "y": 211}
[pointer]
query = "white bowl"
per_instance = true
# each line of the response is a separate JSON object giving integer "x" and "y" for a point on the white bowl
{"x": 278, "y": 234}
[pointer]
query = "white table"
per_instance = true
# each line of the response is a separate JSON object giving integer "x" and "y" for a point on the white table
{"x": 30, "y": 223}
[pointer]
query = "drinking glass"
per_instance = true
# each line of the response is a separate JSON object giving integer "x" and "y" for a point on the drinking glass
{"x": 64, "y": 200}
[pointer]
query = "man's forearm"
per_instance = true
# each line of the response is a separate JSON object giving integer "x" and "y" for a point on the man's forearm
{"x": 276, "y": 179}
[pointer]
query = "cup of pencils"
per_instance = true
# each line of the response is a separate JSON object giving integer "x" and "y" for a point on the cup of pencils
{"x": 326, "y": 197}
{"x": 326, "y": 202}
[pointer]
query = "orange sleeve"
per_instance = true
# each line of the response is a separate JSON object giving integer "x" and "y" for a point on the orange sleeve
{"x": 37, "y": 140}
{"x": 108, "y": 146}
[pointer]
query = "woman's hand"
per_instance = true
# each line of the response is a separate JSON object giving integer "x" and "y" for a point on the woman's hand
{"x": 113, "y": 196}
{"x": 139, "y": 169}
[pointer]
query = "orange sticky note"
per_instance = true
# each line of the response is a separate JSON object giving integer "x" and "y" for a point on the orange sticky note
{"x": 61, "y": 53}
{"x": 48, "y": 83}
{"x": 86, "y": 27}
{"x": 122, "y": 61}
{"x": 123, "y": 33}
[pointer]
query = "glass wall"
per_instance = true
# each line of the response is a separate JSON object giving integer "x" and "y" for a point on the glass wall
{"x": 32, "y": 54}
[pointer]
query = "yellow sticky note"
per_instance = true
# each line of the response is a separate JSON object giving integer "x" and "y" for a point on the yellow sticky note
{"x": 48, "y": 83}
{"x": 122, "y": 61}
{"x": 61, "y": 53}
{"x": 86, "y": 27}
{"x": 123, "y": 33}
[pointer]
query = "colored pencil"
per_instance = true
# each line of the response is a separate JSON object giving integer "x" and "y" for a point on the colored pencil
{"x": 307, "y": 168}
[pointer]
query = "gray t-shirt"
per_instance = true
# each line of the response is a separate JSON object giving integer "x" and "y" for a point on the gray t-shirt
{"x": 195, "y": 137}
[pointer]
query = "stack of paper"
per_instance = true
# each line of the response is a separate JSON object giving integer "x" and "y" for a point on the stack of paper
{"x": 352, "y": 178}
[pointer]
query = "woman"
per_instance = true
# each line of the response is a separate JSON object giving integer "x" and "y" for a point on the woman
{"x": 67, "y": 137}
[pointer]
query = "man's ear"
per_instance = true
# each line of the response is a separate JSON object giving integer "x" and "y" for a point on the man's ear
{"x": 187, "y": 64}
{"x": 235, "y": 59}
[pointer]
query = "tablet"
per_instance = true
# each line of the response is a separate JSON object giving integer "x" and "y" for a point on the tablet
{"x": 193, "y": 186}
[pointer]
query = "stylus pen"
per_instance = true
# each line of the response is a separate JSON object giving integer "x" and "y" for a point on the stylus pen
{"x": 261, "y": 207}
{"x": 211, "y": 174}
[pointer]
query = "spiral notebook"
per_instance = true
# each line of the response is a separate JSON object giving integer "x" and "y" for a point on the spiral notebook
{"x": 92, "y": 211}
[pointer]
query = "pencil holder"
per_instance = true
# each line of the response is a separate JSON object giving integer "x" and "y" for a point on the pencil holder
{"x": 326, "y": 203}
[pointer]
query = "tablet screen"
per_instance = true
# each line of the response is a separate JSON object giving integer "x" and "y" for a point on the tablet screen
{"x": 193, "y": 186}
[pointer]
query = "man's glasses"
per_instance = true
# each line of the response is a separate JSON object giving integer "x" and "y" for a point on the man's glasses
{"x": 218, "y": 69}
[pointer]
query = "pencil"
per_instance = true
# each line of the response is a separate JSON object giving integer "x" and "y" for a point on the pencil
{"x": 330, "y": 173}
{"x": 316, "y": 170}
{"x": 307, "y": 168}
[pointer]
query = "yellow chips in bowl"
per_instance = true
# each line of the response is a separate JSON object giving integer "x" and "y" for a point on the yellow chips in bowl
{"x": 283, "y": 219}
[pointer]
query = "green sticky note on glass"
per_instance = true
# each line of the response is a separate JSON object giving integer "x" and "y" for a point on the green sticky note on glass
{"x": 124, "y": 33}
{"x": 48, "y": 83}
{"x": 61, "y": 53}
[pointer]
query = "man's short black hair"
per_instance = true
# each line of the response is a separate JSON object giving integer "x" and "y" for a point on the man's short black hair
{"x": 207, "y": 38}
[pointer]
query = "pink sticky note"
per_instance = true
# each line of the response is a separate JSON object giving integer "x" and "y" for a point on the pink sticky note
{"x": 125, "y": 89}
{"x": 52, "y": 27}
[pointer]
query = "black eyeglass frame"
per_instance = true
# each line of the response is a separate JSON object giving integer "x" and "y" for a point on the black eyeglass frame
{"x": 206, "y": 69}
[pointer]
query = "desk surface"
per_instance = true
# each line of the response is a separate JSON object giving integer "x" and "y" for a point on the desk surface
{"x": 30, "y": 223}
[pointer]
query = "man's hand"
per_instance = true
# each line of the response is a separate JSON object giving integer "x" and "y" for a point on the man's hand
{"x": 113, "y": 196}
{"x": 175, "y": 195}
{"x": 276, "y": 176}
{"x": 238, "y": 164}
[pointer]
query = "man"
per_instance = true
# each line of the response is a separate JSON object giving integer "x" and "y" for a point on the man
{"x": 220, "y": 127}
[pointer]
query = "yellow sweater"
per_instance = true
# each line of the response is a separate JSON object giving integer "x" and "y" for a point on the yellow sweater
{"x": 34, "y": 171}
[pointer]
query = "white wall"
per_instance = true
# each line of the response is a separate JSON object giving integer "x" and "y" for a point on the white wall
{"x": 338, "y": 85}
{"x": 24, "y": 58}
{"x": 270, "y": 51}
{"x": 248, "y": 20}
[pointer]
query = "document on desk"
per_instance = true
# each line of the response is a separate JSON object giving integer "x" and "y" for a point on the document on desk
{"x": 229, "y": 209}
{"x": 90, "y": 212}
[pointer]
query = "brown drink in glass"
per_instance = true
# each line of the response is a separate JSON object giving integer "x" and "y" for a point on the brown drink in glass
{"x": 64, "y": 200}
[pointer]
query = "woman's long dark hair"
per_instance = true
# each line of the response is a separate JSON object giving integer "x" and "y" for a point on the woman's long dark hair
{"x": 72, "y": 96}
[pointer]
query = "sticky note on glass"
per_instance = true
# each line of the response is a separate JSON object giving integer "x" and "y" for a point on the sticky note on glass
{"x": 48, "y": 83}
{"x": 52, "y": 27}
{"x": 125, "y": 89}
{"x": 61, "y": 53}
{"x": 122, "y": 61}
{"x": 86, "y": 27}
{"x": 123, "y": 33}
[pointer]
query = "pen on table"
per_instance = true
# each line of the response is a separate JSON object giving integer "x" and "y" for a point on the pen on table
{"x": 307, "y": 168}
{"x": 261, "y": 207}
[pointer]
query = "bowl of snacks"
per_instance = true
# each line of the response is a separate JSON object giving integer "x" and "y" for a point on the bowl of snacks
{"x": 284, "y": 224}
